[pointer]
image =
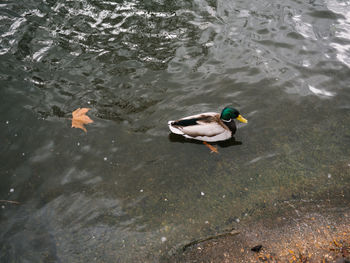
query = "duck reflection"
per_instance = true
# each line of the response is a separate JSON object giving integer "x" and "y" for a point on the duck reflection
{"x": 179, "y": 138}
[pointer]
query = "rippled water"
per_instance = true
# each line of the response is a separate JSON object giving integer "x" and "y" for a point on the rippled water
{"x": 127, "y": 191}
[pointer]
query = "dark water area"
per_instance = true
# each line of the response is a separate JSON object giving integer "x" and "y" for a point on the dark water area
{"x": 127, "y": 191}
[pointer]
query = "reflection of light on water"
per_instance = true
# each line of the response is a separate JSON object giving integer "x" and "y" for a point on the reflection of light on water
{"x": 303, "y": 28}
{"x": 343, "y": 51}
{"x": 10, "y": 33}
{"x": 262, "y": 158}
{"x": 303, "y": 88}
{"x": 306, "y": 63}
{"x": 14, "y": 27}
{"x": 321, "y": 92}
{"x": 40, "y": 53}
{"x": 342, "y": 29}
{"x": 124, "y": 11}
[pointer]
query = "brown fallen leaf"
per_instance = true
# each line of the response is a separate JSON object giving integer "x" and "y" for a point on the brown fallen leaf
{"x": 211, "y": 147}
{"x": 80, "y": 118}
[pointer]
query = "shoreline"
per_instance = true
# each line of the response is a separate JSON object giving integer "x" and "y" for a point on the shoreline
{"x": 302, "y": 233}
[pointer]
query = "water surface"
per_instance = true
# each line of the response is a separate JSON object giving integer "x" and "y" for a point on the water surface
{"x": 128, "y": 191}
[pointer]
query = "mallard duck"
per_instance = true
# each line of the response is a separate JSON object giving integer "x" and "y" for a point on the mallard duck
{"x": 209, "y": 126}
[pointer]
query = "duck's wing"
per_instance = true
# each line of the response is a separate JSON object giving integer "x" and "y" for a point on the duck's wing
{"x": 205, "y": 127}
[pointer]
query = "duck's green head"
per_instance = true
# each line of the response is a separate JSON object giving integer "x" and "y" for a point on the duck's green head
{"x": 229, "y": 113}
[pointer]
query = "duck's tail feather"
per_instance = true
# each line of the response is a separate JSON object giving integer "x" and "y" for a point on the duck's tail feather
{"x": 174, "y": 129}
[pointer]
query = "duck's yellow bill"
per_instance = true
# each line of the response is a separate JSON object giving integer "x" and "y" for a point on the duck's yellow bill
{"x": 241, "y": 119}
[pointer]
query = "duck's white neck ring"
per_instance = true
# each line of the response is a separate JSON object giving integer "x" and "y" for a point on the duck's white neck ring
{"x": 226, "y": 120}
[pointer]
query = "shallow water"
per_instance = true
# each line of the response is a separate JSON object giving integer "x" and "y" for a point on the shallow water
{"x": 128, "y": 191}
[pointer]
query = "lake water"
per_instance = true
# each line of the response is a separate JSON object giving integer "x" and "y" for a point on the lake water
{"x": 127, "y": 190}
